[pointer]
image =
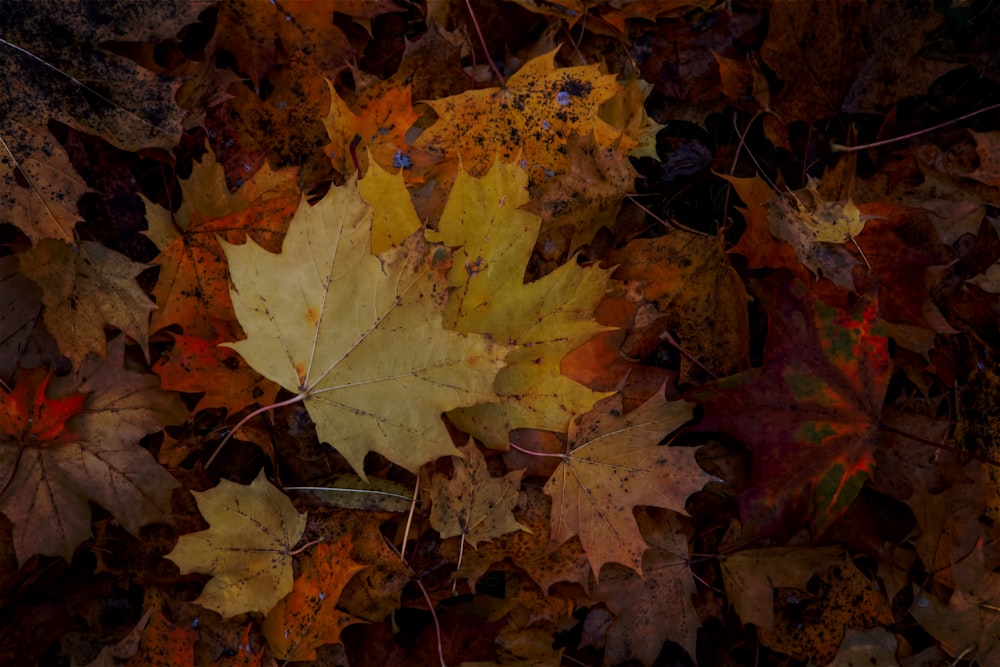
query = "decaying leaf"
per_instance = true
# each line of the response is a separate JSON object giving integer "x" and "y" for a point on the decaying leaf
{"x": 472, "y": 503}
{"x": 84, "y": 289}
{"x": 308, "y": 618}
{"x": 192, "y": 289}
{"x": 656, "y": 606}
{"x": 246, "y": 549}
{"x": 358, "y": 337}
{"x": 816, "y": 228}
{"x": 164, "y": 644}
{"x": 534, "y": 115}
{"x": 752, "y": 575}
{"x": 530, "y": 549}
{"x": 73, "y": 79}
{"x": 614, "y": 463}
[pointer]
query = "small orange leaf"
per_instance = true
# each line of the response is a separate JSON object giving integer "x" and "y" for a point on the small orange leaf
{"x": 308, "y": 618}
{"x": 28, "y": 417}
{"x": 164, "y": 644}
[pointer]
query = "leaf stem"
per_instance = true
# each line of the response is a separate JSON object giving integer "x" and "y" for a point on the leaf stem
{"x": 530, "y": 453}
{"x": 939, "y": 445}
{"x": 437, "y": 624}
{"x": 837, "y": 148}
{"x": 294, "y": 399}
{"x": 333, "y": 488}
{"x": 305, "y": 546}
{"x": 409, "y": 520}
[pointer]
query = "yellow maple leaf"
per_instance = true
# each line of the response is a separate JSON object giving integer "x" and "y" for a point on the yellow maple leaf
{"x": 544, "y": 319}
{"x": 395, "y": 220}
{"x": 358, "y": 337}
{"x": 246, "y": 548}
{"x": 615, "y": 462}
{"x": 534, "y": 115}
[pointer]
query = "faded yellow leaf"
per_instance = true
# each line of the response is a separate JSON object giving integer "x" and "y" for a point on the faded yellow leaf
{"x": 394, "y": 218}
{"x": 246, "y": 548}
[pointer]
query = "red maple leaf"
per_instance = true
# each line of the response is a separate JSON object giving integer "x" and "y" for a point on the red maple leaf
{"x": 811, "y": 414}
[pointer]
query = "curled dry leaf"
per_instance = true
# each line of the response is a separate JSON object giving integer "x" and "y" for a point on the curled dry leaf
{"x": 246, "y": 549}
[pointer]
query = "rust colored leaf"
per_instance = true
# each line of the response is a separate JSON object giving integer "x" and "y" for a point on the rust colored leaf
{"x": 378, "y": 131}
{"x": 195, "y": 365}
{"x": 164, "y": 644}
{"x": 308, "y": 618}
{"x": 28, "y": 418}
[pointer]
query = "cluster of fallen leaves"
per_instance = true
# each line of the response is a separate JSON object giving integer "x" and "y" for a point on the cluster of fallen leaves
{"x": 338, "y": 332}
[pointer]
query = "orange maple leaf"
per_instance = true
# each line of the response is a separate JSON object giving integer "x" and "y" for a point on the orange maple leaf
{"x": 308, "y": 618}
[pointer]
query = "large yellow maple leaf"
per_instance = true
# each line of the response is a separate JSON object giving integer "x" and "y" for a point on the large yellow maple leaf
{"x": 359, "y": 338}
{"x": 537, "y": 112}
{"x": 545, "y": 319}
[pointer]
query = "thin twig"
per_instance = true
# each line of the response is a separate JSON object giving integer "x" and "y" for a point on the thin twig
{"x": 437, "y": 624}
{"x": 409, "y": 519}
{"x": 334, "y": 488}
{"x": 482, "y": 40}
{"x": 837, "y": 148}
{"x": 530, "y": 453}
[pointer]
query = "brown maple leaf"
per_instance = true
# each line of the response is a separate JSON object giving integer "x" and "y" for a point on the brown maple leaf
{"x": 102, "y": 464}
{"x": 614, "y": 463}
{"x": 472, "y": 503}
